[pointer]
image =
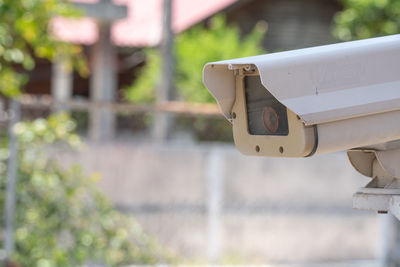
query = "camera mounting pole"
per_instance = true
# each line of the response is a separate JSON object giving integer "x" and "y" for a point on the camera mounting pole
{"x": 382, "y": 164}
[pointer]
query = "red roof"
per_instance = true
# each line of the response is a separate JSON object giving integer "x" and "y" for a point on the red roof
{"x": 142, "y": 27}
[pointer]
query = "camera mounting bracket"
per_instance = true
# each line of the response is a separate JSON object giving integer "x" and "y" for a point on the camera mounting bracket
{"x": 381, "y": 163}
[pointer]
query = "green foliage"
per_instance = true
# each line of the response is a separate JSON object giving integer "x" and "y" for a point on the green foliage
{"x": 62, "y": 219}
{"x": 193, "y": 49}
{"x": 24, "y": 34}
{"x": 144, "y": 88}
{"x": 198, "y": 46}
{"x": 367, "y": 18}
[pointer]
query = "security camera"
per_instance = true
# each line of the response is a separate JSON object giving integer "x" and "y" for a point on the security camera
{"x": 311, "y": 101}
{"x": 315, "y": 100}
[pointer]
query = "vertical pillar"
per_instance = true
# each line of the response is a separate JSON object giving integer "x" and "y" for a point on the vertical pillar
{"x": 162, "y": 121}
{"x": 215, "y": 195}
{"x": 103, "y": 85}
{"x": 390, "y": 240}
{"x": 11, "y": 182}
{"x": 61, "y": 82}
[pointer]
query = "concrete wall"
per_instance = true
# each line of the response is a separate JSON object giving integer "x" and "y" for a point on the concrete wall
{"x": 274, "y": 210}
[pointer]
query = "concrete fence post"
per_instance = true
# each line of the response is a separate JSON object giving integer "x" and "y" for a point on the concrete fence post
{"x": 215, "y": 194}
{"x": 389, "y": 249}
{"x": 11, "y": 176}
{"x": 61, "y": 82}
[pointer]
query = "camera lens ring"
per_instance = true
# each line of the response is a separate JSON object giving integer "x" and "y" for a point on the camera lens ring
{"x": 270, "y": 119}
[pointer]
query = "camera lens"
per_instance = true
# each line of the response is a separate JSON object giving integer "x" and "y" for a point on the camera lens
{"x": 270, "y": 119}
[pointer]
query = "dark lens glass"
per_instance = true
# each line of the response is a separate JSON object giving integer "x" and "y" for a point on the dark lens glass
{"x": 265, "y": 114}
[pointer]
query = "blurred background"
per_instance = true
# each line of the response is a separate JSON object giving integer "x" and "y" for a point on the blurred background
{"x": 113, "y": 152}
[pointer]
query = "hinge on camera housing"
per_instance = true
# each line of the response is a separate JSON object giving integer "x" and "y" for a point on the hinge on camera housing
{"x": 243, "y": 69}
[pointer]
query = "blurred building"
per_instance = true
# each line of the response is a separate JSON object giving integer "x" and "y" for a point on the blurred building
{"x": 114, "y": 33}
{"x": 140, "y": 27}
{"x": 291, "y": 24}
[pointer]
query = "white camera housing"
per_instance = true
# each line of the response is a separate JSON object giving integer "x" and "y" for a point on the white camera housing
{"x": 317, "y": 100}
{"x": 337, "y": 97}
